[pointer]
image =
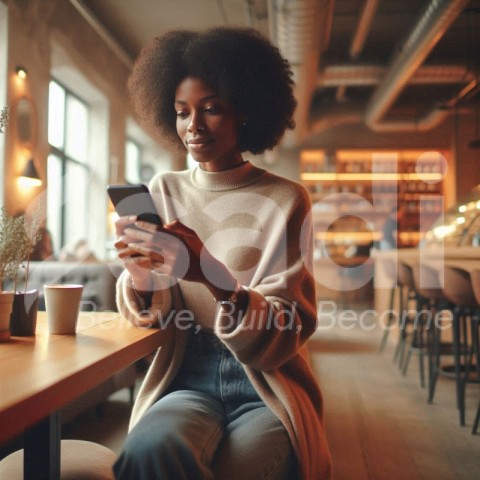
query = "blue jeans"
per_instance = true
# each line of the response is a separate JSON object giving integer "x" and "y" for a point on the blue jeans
{"x": 210, "y": 424}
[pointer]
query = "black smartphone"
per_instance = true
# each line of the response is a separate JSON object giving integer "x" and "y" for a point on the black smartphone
{"x": 134, "y": 200}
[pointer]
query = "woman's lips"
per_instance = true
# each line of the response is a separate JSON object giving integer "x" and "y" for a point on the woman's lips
{"x": 199, "y": 144}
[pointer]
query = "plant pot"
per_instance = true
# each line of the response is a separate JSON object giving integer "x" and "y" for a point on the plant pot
{"x": 6, "y": 304}
{"x": 23, "y": 320}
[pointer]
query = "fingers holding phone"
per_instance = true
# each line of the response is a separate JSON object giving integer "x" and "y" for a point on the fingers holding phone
{"x": 132, "y": 203}
{"x": 164, "y": 251}
{"x": 138, "y": 267}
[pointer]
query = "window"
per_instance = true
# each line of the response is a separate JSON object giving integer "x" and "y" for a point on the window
{"x": 133, "y": 161}
{"x": 143, "y": 156}
{"x": 67, "y": 170}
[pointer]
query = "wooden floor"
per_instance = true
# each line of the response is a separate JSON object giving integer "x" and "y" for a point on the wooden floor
{"x": 378, "y": 422}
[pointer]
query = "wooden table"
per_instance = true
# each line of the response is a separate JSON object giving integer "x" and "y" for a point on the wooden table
{"x": 41, "y": 374}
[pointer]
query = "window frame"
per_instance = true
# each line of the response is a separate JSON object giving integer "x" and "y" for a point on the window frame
{"x": 138, "y": 145}
{"x": 66, "y": 159}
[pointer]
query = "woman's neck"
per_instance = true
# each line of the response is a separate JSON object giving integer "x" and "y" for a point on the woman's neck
{"x": 220, "y": 166}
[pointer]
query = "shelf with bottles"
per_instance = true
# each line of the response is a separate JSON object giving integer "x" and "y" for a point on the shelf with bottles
{"x": 373, "y": 204}
{"x": 372, "y": 166}
{"x": 415, "y": 187}
{"x": 329, "y": 190}
{"x": 369, "y": 184}
{"x": 425, "y": 206}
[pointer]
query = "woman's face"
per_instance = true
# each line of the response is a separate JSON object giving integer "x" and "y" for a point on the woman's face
{"x": 208, "y": 125}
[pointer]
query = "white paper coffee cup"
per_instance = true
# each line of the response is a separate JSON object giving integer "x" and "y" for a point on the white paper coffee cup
{"x": 62, "y": 302}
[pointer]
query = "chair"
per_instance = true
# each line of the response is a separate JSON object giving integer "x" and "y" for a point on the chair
{"x": 428, "y": 285}
{"x": 458, "y": 289}
{"x": 475, "y": 277}
{"x": 390, "y": 271}
{"x": 80, "y": 460}
{"x": 405, "y": 296}
{"x": 417, "y": 342}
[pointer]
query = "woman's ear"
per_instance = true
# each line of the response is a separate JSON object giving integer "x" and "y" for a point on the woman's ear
{"x": 242, "y": 131}
{"x": 242, "y": 119}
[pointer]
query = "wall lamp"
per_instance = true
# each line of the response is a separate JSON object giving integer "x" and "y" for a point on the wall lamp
{"x": 30, "y": 176}
{"x": 21, "y": 72}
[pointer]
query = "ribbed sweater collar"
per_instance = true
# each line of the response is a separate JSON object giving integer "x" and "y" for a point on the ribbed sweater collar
{"x": 234, "y": 178}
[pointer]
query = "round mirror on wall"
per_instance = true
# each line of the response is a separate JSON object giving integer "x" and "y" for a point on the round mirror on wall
{"x": 26, "y": 123}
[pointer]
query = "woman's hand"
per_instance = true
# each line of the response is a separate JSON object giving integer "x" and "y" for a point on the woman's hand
{"x": 137, "y": 265}
{"x": 176, "y": 250}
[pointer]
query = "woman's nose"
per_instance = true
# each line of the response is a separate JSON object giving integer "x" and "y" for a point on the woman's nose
{"x": 196, "y": 123}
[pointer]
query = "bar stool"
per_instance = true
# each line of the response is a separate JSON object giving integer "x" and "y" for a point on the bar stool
{"x": 405, "y": 296}
{"x": 429, "y": 287}
{"x": 416, "y": 332}
{"x": 475, "y": 277}
{"x": 390, "y": 270}
{"x": 80, "y": 460}
{"x": 458, "y": 289}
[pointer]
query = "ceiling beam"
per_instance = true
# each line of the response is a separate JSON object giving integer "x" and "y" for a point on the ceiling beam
{"x": 102, "y": 32}
{"x": 429, "y": 28}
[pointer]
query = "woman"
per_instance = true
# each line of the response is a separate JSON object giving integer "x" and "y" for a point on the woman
{"x": 43, "y": 249}
{"x": 230, "y": 393}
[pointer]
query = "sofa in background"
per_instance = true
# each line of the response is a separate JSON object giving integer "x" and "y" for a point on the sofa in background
{"x": 98, "y": 280}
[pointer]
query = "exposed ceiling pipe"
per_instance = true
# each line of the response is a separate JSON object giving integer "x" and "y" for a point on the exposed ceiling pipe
{"x": 368, "y": 75}
{"x": 432, "y": 119}
{"x": 298, "y": 28}
{"x": 334, "y": 120}
{"x": 295, "y": 28}
{"x": 431, "y": 25}
{"x": 340, "y": 116}
{"x": 363, "y": 27}
{"x": 359, "y": 37}
{"x": 327, "y": 11}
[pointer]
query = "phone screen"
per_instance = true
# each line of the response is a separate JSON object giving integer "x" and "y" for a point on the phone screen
{"x": 134, "y": 200}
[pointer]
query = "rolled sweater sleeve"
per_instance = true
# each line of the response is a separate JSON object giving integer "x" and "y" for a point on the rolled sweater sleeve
{"x": 133, "y": 309}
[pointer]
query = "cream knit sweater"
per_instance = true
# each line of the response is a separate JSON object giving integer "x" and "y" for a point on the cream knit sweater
{"x": 259, "y": 226}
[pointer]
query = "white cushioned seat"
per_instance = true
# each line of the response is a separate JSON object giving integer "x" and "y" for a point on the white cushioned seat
{"x": 80, "y": 460}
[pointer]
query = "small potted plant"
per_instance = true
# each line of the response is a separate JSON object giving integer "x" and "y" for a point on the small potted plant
{"x": 18, "y": 310}
{"x": 7, "y": 257}
{"x": 18, "y": 238}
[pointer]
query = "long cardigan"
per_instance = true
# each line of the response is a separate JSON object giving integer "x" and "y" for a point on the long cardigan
{"x": 259, "y": 226}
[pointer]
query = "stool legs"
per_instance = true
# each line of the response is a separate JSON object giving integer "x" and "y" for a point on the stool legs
{"x": 463, "y": 355}
{"x": 402, "y": 325}
{"x": 476, "y": 352}
{"x": 457, "y": 359}
{"x": 477, "y": 420}
{"x": 391, "y": 318}
{"x": 442, "y": 314}
{"x": 434, "y": 342}
{"x": 418, "y": 345}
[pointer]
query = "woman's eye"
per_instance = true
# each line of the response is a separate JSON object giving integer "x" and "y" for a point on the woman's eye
{"x": 182, "y": 114}
{"x": 212, "y": 110}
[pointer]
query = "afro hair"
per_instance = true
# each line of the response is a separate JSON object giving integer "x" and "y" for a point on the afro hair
{"x": 240, "y": 64}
